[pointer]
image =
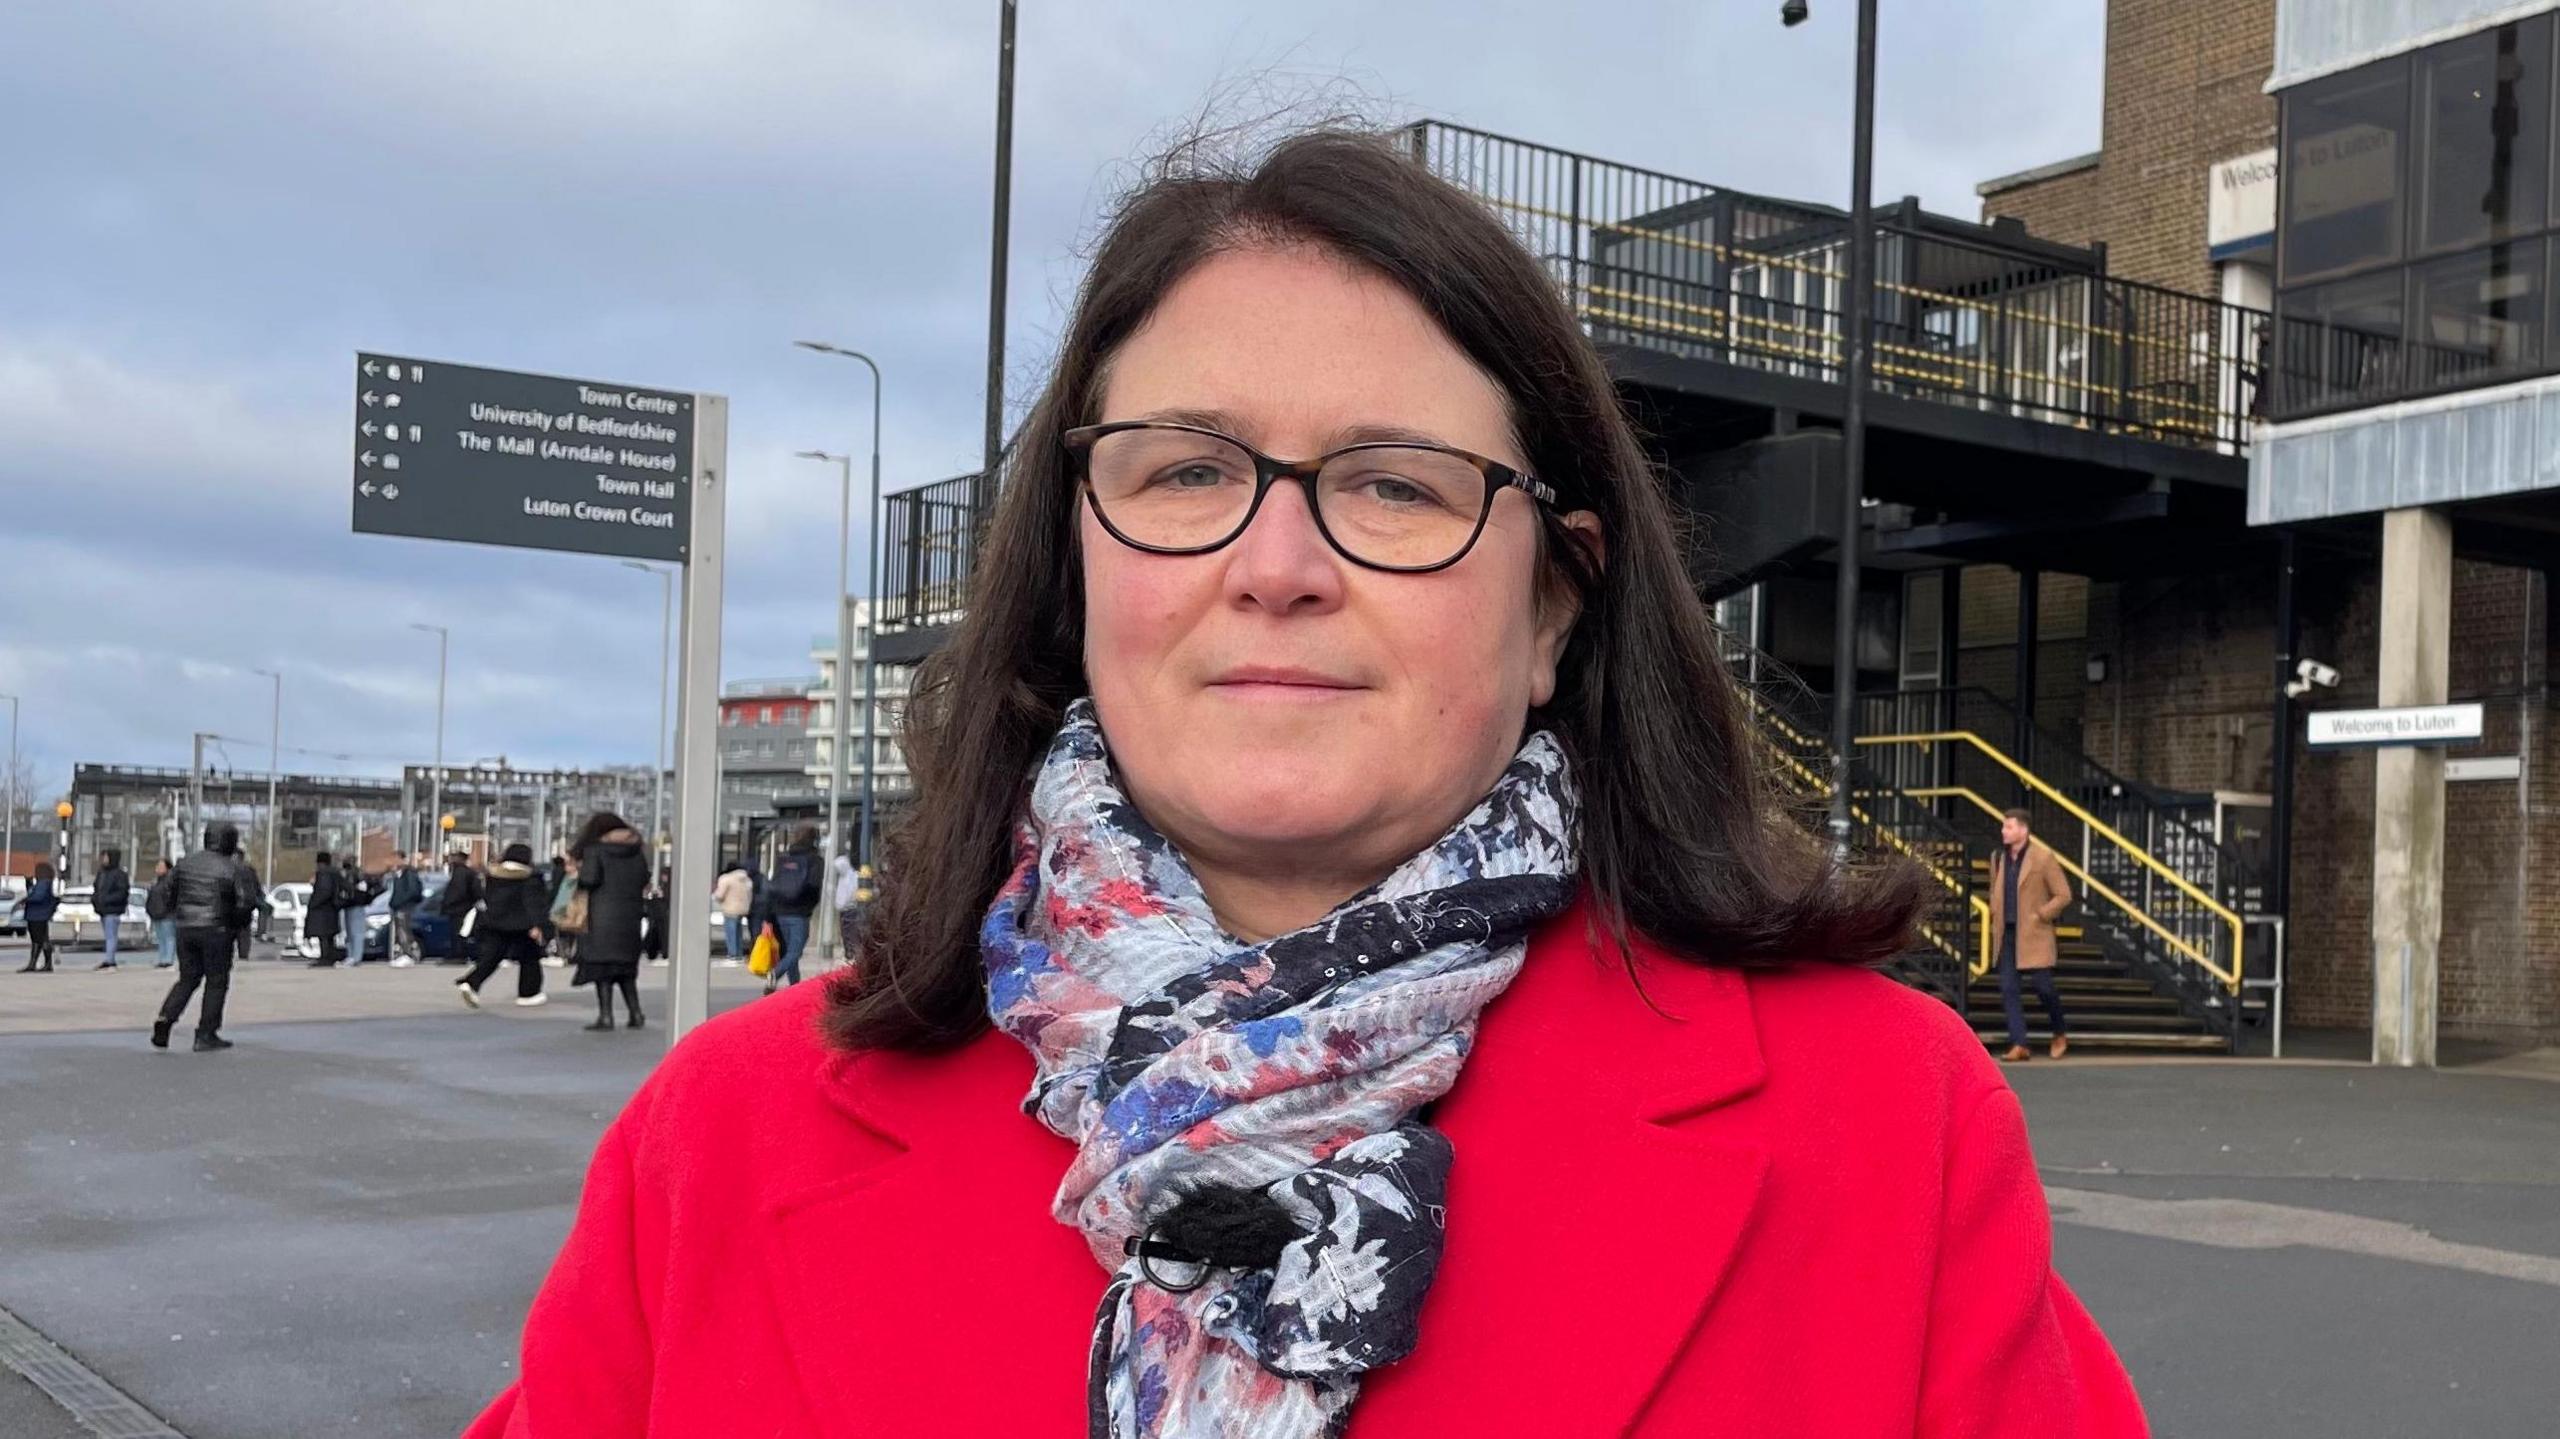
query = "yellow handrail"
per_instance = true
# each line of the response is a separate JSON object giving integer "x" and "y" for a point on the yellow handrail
{"x": 1821, "y": 784}
{"x": 2223, "y": 913}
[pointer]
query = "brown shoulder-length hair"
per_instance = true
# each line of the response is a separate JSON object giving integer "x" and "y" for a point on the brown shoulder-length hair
{"x": 1680, "y": 841}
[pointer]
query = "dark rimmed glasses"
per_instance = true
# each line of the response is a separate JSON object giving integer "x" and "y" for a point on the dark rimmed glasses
{"x": 1174, "y": 489}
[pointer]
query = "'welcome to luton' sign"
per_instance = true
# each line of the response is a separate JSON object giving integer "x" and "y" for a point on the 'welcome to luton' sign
{"x": 2413, "y": 724}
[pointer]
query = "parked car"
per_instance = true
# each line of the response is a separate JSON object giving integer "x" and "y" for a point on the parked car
{"x": 436, "y": 939}
{"x": 12, "y": 889}
{"x": 76, "y": 923}
{"x": 288, "y": 901}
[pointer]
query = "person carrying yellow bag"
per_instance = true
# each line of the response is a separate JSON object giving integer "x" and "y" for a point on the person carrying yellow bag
{"x": 768, "y": 948}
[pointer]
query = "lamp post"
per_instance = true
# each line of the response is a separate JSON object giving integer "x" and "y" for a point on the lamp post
{"x": 842, "y": 683}
{"x": 666, "y": 633}
{"x": 1853, "y": 416}
{"x": 870, "y": 648}
{"x": 9, "y": 815}
{"x": 435, "y": 805}
{"x": 62, "y": 856}
{"x": 275, "y": 757}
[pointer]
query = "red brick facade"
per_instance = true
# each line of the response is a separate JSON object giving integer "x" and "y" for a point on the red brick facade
{"x": 2184, "y": 89}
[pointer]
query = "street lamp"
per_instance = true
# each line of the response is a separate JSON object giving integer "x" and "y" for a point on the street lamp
{"x": 870, "y": 649}
{"x": 1853, "y": 416}
{"x": 275, "y": 756}
{"x": 444, "y": 641}
{"x": 666, "y": 632}
{"x": 842, "y": 722}
{"x": 9, "y": 815}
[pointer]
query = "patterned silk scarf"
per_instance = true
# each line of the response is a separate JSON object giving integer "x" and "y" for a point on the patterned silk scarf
{"x": 1184, "y": 1062}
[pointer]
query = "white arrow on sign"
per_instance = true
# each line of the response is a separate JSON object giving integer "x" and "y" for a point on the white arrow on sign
{"x": 366, "y": 429}
{"x": 391, "y": 492}
{"x": 365, "y": 459}
{"x": 369, "y": 397}
{"x": 371, "y": 368}
{"x": 365, "y": 489}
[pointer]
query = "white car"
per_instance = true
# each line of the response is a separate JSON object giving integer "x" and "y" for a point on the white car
{"x": 76, "y": 923}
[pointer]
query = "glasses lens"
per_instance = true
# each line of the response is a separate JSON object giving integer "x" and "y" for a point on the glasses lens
{"x": 1170, "y": 489}
{"x": 1402, "y": 507}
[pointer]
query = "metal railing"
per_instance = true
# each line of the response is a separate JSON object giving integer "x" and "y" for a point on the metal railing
{"x": 2161, "y": 890}
{"x": 1656, "y": 260}
{"x": 933, "y": 532}
{"x": 1954, "y": 926}
{"x": 2319, "y": 367}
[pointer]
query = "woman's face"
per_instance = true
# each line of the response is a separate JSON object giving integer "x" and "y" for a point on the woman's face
{"x": 1272, "y": 707}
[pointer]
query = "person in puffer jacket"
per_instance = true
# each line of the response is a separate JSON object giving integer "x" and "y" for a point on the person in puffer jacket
{"x": 212, "y": 902}
{"x": 515, "y": 919}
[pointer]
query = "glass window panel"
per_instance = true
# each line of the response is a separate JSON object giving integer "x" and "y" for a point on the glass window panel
{"x": 2485, "y": 105}
{"x": 2340, "y": 341}
{"x": 2478, "y": 316}
{"x": 2345, "y": 139}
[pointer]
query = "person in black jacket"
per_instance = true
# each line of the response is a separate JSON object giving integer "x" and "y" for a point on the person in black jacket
{"x": 263, "y": 919}
{"x": 42, "y": 900}
{"x": 462, "y": 894}
{"x": 211, "y": 901}
{"x": 356, "y": 890}
{"x": 515, "y": 916}
{"x": 320, "y": 913}
{"x": 408, "y": 888}
{"x": 613, "y": 873}
{"x": 790, "y": 897}
{"x": 109, "y": 893}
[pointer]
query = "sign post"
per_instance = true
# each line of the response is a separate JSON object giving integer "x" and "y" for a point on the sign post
{"x": 499, "y": 457}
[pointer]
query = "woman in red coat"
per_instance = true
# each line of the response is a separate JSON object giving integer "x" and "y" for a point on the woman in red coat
{"x": 1341, "y": 974}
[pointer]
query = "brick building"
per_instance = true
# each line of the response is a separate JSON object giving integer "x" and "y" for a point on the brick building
{"x": 2191, "y": 110}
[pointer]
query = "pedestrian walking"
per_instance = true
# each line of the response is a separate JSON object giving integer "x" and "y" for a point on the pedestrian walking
{"x": 734, "y": 895}
{"x": 213, "y": 904}
{"x": 654, "y": 914}
{"x": 790, "y": 897}
{"x": 110, "y": 894}
{"x": 613, "y": 874}
{"x": 844, "y": 882}
{"x": 356, "y": 890}
{"x": 1363, "y": 864}
{"x": 515, "y": 918}
{"x": 408, "y": 890}
{"x": 320, "y": 912}
{"x": 158, "y": 903}
{"x": 263, "y": 919}
{"x": 2028, "y": 893}
{"x": 42, "y": 900}
{"x": 462, "y": 894}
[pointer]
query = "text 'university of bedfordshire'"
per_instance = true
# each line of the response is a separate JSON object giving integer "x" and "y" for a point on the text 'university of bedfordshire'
{"x": 456, "y": 452}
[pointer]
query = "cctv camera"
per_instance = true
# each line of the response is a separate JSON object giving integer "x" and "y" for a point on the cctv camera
{"x": 1794, "y": 12}
{"x": 2312, "y": 672}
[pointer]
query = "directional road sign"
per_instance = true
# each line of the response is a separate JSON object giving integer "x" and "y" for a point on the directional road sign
{"x": 497, "y": 457}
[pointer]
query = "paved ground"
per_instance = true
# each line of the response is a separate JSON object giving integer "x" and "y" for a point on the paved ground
{"x": 335, "y": 1228}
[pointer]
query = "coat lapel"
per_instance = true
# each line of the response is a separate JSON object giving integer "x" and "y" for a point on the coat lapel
{"x": 931, "y": 1263}
{"x": 1589, "y": 1219}
{"x": 1592, "y": 1211}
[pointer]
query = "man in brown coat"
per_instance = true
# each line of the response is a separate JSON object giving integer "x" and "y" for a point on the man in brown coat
{"x": 2028, "y": 893}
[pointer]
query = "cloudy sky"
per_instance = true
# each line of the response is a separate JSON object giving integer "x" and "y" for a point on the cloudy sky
{"x": 209, "y": 207}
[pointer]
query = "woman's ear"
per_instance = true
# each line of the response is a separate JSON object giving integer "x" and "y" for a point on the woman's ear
{"x": 1559, "y": 606}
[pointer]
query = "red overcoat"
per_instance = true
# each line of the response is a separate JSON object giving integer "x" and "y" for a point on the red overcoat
{"x": 1791, "y": 1202}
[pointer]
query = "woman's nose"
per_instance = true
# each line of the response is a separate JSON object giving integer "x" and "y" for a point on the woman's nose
{"x": 1281, "y": 562}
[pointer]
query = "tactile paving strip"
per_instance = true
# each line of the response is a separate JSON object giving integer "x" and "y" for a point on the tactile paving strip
{"x": 99, "y": 1406}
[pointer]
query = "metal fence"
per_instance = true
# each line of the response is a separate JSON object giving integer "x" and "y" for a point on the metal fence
{"x": 1656, "y": 260}
{"x": 933, "y": 532}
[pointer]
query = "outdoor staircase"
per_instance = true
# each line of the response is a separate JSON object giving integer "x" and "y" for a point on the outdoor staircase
{"x": 2152, "y": 950}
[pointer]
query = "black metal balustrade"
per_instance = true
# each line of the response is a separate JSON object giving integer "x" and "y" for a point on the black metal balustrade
{"x": 2013, "y": 324}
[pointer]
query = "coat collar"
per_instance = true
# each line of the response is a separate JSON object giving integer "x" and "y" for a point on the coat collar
{"x": 1590, "y": 1220}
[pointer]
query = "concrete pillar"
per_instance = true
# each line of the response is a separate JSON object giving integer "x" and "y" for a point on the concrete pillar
{"x": 2408, "y": 787}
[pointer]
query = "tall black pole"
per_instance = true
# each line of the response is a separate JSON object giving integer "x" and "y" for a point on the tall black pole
{"x": 1853, "y": 432}
{"x": 2279, "y": 891}
{"x": 1004, "y": 220}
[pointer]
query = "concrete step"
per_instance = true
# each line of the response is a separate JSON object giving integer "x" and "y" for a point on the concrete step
{"x": 1998, "y": 1040}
